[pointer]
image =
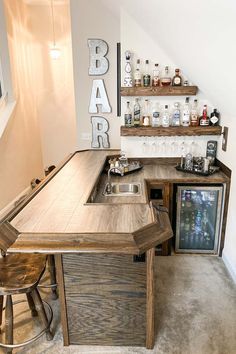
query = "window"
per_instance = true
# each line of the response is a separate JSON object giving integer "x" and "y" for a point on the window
{"x": 7, "y": 101}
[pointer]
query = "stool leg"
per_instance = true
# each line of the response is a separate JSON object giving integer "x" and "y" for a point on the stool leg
{"x": 9, "y": 322}
{"x": 1, "y": 306}
{"x": 52, "y": 271}
{"x": 41, "y": 311}
{"x": 31, "y": 305}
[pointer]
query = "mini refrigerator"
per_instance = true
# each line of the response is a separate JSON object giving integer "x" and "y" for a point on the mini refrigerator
{"x": 198, "y": 219}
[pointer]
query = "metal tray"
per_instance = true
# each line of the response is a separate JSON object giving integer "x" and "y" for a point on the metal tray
{"x": 212, "y": 170}
{"x": 132, "y": 168}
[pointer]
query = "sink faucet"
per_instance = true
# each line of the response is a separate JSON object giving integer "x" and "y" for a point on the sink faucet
{"x": 108, "y": 185}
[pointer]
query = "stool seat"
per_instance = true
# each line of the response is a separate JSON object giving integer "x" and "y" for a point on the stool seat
{"x": 20, "y": 273}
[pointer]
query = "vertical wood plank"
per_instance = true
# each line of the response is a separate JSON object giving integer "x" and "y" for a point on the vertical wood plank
{"x": 150, "y": 327}
{"x": 61, "y": 288}
{"x": 9, "y": 323}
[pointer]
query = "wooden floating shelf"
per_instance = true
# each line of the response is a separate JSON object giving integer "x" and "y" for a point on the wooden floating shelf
{"x": 170, "y": 131}
{"x": 159, "y": 91}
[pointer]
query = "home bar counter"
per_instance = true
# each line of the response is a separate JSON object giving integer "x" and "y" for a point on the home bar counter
{"x": 106, "y": 291}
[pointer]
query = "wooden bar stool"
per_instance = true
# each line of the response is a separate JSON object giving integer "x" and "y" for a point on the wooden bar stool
{"x": 20, "y": 274}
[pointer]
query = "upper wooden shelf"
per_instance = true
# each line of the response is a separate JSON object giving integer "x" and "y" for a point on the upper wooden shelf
{"x": 170, "y": 131}
{"x": 159, "y": 91}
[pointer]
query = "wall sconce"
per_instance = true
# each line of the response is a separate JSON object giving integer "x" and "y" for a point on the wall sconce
{"x": 54, "y": 51}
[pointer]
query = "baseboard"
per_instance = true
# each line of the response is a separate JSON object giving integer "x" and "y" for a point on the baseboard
{"x": 11, "y": 205}
{"x": 230, "y": 267}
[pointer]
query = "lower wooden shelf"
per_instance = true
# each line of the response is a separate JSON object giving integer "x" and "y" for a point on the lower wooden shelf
{"x": 170, "y": 131}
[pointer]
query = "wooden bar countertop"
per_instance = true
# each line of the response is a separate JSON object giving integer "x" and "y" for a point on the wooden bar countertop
{"x": 59, "y": 219}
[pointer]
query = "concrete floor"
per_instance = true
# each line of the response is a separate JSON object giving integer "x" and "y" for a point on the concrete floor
{"x": 195, "y": 312}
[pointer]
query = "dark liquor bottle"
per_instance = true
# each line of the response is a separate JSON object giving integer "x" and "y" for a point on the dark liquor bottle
{"x": 146, "y": 76}
{"x": 215, "y": 117}
{"x": 128, "y": 115}
{"x": 137, "y": 113}
{"x": 177, "y": 79}
{"x": 204, "y": 119}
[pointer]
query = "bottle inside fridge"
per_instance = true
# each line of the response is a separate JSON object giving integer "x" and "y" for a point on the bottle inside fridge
{"x": 198, "y": 218}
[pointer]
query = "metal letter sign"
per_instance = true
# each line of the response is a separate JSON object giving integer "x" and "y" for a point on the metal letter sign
{"x": 100, "y": 127}
{"x": 99, "y": 97}
{"x": 98, "y": 50}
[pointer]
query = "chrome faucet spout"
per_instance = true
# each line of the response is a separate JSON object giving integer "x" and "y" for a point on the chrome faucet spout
{"x": 108, "y": 186}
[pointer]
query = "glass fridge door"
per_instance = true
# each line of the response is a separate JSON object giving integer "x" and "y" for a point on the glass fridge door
{"x": 198, "y": 219}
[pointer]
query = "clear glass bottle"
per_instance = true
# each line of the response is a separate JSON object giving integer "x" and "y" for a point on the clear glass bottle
{"x": 204, "y": 119}
{"x": 137, "y": 75}
{"x": 177, "y": 79}
{"x": 146, "y": 76}
{"x": 156, "y": 117}
{"x": 156, "y": 76}
{"x": 165, "y": 117}
{"x": 194, "y": 114}
{"x": 166, "y": 80}
{"x": 128, "y": 115}
{"x": 176, "y": 115}
{"x": 146, "y": 114}
{"x": 137, "y": 113}
{"x": 215, "y": 117}
{"x": 186, "y": 113}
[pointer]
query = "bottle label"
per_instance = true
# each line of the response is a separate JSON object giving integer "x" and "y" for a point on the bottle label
{"x": 214, "y": 120}
{"x": 137, "y": 82}
{"x": 146, "y": 120}
{"x": 177, "y": 81}
{"x": 204, "y": 122}
{"x": 137, "y": 117}
{"x": 194, "y": 119}
{"x": 156, "y": 119}
{"x": 155, "y": 81}
{"x": 165, "y": 120}
{"x": 186, "y": 119}
{"x": 146, "y": 80}
{"x": 128, "y": 119}
{"x": 176, "y": 118}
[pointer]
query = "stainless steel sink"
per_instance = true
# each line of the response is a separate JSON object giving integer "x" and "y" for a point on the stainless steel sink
{"x": 124, "y": 189}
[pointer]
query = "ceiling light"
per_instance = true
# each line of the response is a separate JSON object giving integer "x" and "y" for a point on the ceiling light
{"x": 54, "y": 51}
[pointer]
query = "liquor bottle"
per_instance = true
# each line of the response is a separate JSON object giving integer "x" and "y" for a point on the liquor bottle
{"x": 137, "y": 75}
{"x": 176, "y": 115}
{"x": 204, "y": 119}
{"x": 166, "y": 80}
{"x": 156, "y": 119}
{"x": 156, "y": 76}
{"x": 177, "y": 79}
{"x": 146, "y": 114}
{"x": 198, "y": 222}
{"x": 214, "y": 118}
{"x": 128, "y": 82}
{"x": 146, "y": 76}
{"x": 137, "y": 113}
{"x": 128, "y": 115}
{"x": 186, "y": 113}
{"x": 165, "y": 117}
{"x": 194, "y": 114}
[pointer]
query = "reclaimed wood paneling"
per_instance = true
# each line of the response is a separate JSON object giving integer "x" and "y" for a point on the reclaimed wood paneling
{"x": 106, "y": 299}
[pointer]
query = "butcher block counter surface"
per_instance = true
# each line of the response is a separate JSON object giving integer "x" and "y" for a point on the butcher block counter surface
{"x": 59, "y": 219}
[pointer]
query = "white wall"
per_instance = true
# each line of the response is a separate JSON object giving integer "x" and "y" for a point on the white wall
{"x": 136, "y": 38}
{"x": 92, "y": 19}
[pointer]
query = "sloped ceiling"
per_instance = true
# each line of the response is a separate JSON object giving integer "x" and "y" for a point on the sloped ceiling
{"x": 198, "y": 35}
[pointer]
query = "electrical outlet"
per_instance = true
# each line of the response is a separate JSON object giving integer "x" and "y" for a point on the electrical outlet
{"x": 225, "y": 138}
{"x": 86, "y": 136}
